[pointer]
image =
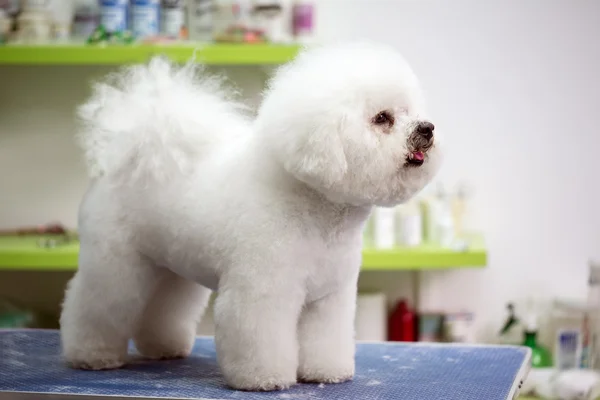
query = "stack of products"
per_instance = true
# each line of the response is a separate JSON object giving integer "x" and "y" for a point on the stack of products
{"x": 407, "y": 325}
{"x": 569, "y": 367}
{"x": 125, "y": 21}
{"x": 437, "y": 219}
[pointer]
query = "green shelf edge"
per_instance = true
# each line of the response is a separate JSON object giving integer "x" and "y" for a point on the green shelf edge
{"x": 215, "y": 54}
{"x": 22, "y": 254}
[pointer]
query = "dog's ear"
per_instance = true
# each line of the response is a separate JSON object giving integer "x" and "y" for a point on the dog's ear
{"x": 316, "y": 154}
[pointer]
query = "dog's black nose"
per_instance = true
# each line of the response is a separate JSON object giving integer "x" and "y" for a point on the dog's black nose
{"x": 425, "y": 129}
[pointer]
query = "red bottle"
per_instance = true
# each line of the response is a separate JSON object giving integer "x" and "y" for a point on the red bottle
{"x": 401, "y": 326}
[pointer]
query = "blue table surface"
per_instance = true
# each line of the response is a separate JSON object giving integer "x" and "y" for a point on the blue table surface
{"x": 30, "y": 361}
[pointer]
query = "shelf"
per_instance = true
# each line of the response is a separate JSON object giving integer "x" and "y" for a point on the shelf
{"x": 426, "y": 256}
{"x": 79, "y": 54}
{"x": 23, "y": 253}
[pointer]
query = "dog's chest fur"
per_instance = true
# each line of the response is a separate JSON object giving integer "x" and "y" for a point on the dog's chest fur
{"x": 337, "y": 249}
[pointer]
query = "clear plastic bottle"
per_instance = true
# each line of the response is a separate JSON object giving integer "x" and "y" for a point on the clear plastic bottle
{"x": 86, "y": 18}
{"x": 173, "y": 18}
{"x": 384, "y": 224}
{"x": 460, "y": 204}
{"x": 145, "y": 18}
{"x": 200, "y": 19}
{"x": 446, "y": 232}
{"x": 114, "y": 15}
{"x": 410, "y": 225}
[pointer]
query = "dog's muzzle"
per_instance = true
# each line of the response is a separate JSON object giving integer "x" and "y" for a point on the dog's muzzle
{"x": 425, "y": 130}
{"x": 419, "y": 142}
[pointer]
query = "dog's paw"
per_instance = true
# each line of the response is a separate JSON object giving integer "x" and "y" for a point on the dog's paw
{"x": 166, "y": 354}
{"x": 262, "y": 381}
{"x": 96, "y": 364}
{"x": 93, "y": 359}
{"x": 161, "y": 352}
{"x": 255, "y": 384}
{"x": 322, "y": 375}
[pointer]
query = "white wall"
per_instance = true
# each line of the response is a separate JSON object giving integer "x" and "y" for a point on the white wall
{"x": 514, "y": 85}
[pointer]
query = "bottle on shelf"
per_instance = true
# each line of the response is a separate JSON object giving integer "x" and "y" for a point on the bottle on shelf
{"x": 409, "y": 225}
{"x": 540, "y": 356}
{"x": 173, "y": 19}
{"x": 445, "y": 232}
{"x": 511, "y": 332}
{"x": 34, "y": 22}
{"x": 200, "y": 20}
{"x": 460, "y": 209}
{"x": 5, "y": 26}
{"x": 62, "y": 15}
{"x": 303, "y": 20}
{"x": 384, "y": 227}
{"x": 114, "y": 15}
{"x": 401, "y": 326}
{"x": 145, "y": 18}
{"x": 86, "y": 18}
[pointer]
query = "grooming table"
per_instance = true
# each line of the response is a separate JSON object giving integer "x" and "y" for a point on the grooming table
{"x": 31, "y": 368}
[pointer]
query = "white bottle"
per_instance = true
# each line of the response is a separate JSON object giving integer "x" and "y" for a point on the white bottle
{"x": 62, "y": 13}
{"x": 172, "y": 18}
{"x": 384, "y": 224}
{"x": 429, "y": 214}
{"x": 145, "y": 18}
{"x": 410, "y": 225}
{"x": 86, "y": 18}
{"x": 445, "y": 230}
{"x": 591, "y": 326}
{"x": 593, "y": 298}
{"x": 200, "y": 19}
{"x": 35, "y": 22}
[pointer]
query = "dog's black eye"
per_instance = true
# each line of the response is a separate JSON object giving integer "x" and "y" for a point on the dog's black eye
{"x": 383, "y": 118}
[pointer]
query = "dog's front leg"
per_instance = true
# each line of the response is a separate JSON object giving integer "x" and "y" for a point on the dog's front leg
{"x": 256, "y": 331}
{"x": 326, "y": 338}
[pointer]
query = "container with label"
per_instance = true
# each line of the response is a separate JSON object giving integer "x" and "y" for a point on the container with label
{"x": 86, "y": 18}
{"x": 568, "y": 349}
{"x": 384, "y": 223}
{"x": 114, "y": 15}
{"x": 410, "y": 225}
{"x": 62, "y": 14}
{"x": 173, "y": 18}
{"x": 302, "y": 17}
{"x": 145, "y": 18}
{"x": 200, "y": 20}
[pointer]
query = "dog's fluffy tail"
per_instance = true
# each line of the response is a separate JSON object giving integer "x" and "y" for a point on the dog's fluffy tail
{"x": 155, "y": 120}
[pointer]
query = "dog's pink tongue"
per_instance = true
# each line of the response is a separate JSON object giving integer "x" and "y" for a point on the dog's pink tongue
{"x": 418, "y": 155}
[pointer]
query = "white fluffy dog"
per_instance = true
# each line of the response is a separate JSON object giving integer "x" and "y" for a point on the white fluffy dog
{"x": 188, "y": 195}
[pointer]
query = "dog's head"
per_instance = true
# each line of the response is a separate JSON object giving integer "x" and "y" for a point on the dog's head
{"x": 349, "y": 120}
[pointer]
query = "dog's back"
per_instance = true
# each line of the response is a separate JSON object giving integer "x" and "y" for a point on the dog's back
{"x": 149, "y": 122}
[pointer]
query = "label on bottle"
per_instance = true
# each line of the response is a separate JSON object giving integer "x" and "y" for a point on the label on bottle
{"x": 384, "y": 225}
{"x": 411, "y": 230}
{"x": 200, "y": 19}
{"x": 145, "y": 18}
{"x": 568, "y": 352}
{"x": 173, "y": 20}
{"x": 85, "y": 20}
{"x": 302, "y": 19}
{"x": 114, "y": 15}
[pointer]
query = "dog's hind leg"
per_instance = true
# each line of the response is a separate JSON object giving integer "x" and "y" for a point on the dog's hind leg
{"x": 168, "y": 326}
{"x": 103, "y": 303}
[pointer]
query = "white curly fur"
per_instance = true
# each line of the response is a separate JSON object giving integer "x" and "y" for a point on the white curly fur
{"x": 188, "y": 195}
{"x": 152, "y": 120}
